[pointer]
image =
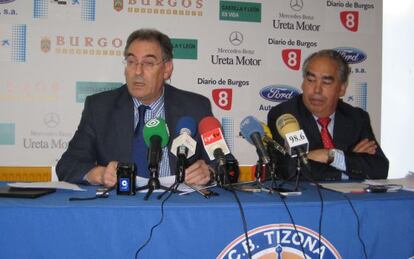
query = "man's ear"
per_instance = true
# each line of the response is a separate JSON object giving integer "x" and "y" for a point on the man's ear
{"x": 342, "y": 89}
{"x": 169, "y": 67}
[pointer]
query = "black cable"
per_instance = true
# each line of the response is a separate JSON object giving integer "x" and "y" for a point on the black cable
{"x": 358, "y": 225}
{"x": 356, "y": 217}
{"x": 318, "y": 188}
{"x": 246, "y": 236}
{"x": 282, "y": 197}
{"x": 320, "y": 218}
{"x": 153, "y": 227}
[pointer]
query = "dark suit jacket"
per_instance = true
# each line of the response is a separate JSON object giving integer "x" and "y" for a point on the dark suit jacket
{"x": 105, "y": 132}
{"x": 351, "y": 126}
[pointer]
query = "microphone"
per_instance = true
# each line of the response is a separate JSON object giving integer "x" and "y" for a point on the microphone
{"x": 184, "y": 146}
{"x": 156, "y": 136}
{"x": 252, "y": 131}
{"x": 270, "y": 142}
{"x": 214, "y": 143}
{"x": 296, "y": 142}
{"x": 212, "y": 137}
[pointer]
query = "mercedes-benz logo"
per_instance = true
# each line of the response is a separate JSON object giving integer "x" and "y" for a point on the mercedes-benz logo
{"x": 236, "y": 38}
{"x": 51, "y": 120}
{"x": 296, "y": 5}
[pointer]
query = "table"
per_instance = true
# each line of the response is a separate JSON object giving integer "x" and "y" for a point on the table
{"x": 194, "y": 227}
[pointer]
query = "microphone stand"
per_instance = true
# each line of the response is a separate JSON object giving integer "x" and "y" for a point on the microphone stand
{"x": 153, "y": 182}
{"x": 297, "y": 175}
{"x": 153, "y": 166}
{"x": 272, "y": 166}
{"x": 256, "y": 185}
{"x": 182, "y": 164}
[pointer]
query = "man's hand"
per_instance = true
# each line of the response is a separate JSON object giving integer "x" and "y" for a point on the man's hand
{"x": 319, "y": 155}
{"x": 103, "y": 175}
{"x": 366, "y": 146}
{"x": 197, "y": 173}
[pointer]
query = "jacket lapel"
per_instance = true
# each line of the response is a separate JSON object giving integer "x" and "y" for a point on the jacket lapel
{"x": 124, "y": 124}
{"x": 308, "y": 124}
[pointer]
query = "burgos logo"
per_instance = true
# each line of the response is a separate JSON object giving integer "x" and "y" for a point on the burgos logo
{"x": 351, "y": 55}
{"x": 280, "y": 241}
{"x": 278, "y": 93}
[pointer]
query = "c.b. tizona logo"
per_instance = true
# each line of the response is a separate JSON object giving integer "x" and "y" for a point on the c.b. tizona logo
{"x": 280, "y": 241}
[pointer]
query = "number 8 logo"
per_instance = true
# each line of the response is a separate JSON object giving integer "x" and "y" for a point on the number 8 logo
{"x": 223, "y": 98}
{"x": 350, "y": 20}
{"x": 292, "y": 58}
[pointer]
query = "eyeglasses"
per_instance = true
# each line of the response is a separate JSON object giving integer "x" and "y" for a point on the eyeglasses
{"x": 146, "y": 64}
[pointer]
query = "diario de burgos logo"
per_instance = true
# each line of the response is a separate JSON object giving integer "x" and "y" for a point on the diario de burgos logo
{"x": 280, "y": 241}
{"x": 236, "y": 38}
{"x": 292, "y": 58}
{"x": 350, "y": 20}
{"x": 223, "y": 98}
{"x": 278, "y": 93}
{"x": 351, "y": 55}
{"x": 296, "y": 5}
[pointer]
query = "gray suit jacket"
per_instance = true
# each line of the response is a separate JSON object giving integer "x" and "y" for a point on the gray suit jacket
{"x": 351, "y": 126}
{"x": 105, "y": 132}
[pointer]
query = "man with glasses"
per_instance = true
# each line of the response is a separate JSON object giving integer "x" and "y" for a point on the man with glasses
{"x": 342, "y": 144}
{"x": 107, "y": 133}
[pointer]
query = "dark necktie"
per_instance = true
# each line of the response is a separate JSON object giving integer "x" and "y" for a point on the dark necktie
{"x": 140, "y": 150}
{"x": 326, "y": 137}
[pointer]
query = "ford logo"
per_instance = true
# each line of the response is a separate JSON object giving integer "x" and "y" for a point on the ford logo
{"x": 352, "y": 55}
{"x": 278, "y": 93}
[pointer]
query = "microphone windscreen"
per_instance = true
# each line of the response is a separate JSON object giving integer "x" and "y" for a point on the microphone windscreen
{"x": 156, "y": 127}
{"x": 250, "y": 125}
{"x": 208, "y": 123}
{"x": 188, "y": 123}
{"x": 286, "y": 123}
{"x": 266, "y": 130}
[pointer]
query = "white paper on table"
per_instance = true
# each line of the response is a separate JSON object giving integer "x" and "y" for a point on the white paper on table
{"x": 54, "y": 185}
{"x": 166, "y": 182}
{"x": 407, "y": 182}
